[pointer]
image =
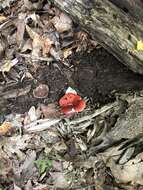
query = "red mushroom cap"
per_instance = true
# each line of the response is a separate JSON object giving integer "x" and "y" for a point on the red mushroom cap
{"x": 79, "y": 107}
{"x": 71, "y": 103}
{"x": 68, "y": 110}
{"x": 69, "y": 99}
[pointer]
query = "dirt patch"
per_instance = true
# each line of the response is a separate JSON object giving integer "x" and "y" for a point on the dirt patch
{"x": 49, "y": 75}
{"x": 99, "y": 75}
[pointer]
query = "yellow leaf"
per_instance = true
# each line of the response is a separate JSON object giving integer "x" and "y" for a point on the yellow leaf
{"x": 2, "y": 18}
{"x": 8, "y": 65}
{"x": 140, "y": 45}
{"x": 5, "y": 127}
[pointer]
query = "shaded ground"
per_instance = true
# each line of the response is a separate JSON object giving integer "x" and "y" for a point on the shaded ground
{"x": 98, "y": 76}
{"x": 40, "y": 148}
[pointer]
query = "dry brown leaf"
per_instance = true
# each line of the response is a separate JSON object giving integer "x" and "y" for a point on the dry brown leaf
{"x": 56, "y": 54}
{"x": 131, "y": 171}
{"x": 62, "y": 23}
{"x": 33, "y": 5}
{"x": 67, "y": 52}
{"x": 28, "y": 75}
{"x": 50, "y": 110}
{"x": 2, "y": 18}
{"x": 35, "y": 18}
{"x": 14, "y": 93}
{"x": 20, "y": 28}
{"x": 6, "y": 167}
{"x": 59, "y": 180}
{"x": 5, "y": 128}
{"x": 27, "y": 46}
{"x": 3, "y": 44}
{"x": 39, "y": 43}
{"x": 46, "y": 45}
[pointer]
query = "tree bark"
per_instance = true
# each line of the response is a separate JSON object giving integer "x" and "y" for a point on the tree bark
{"x": 112, "y": 27}
{"x": 132, "y": 7}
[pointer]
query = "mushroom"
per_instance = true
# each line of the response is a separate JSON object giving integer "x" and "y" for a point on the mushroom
{"x": 71, "y": 103}
{"x": 41, "y": 91}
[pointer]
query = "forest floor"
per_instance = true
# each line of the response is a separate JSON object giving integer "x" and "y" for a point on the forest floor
{"x": 44, "y": 146}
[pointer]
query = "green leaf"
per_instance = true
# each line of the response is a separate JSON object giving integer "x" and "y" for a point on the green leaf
{"x": 1, "y": 187}
{"x": 43, "y": 165}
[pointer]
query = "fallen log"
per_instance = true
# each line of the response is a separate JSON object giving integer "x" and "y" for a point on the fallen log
{"x": 115, "y": 29}
{"x": 133, "y": 8}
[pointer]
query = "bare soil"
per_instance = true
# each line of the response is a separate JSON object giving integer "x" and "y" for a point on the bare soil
{"x": 98, "y": 76}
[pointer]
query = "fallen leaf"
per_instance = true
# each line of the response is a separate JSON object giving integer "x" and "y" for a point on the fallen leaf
{"x": 69, "y": 51}
{"x": 26, "y": 120}
{"x": 27, "y": 46}
{"x": 62, "y": 22}
{"x": 15, "y": 145}
{"x": 16, "y": 187}
{"x": 39, "y": 186}
{"x": 56, "y": 54}
{"x": 2, "y": 18}
{"x": 26, "y": 169}
{"x": 20, "y": 24}
{"x": 8, "y": 65}
{"x": 51, "y": 136}
{"x": 5, "y": 128}
{"x": 6, "y": 168}
{"x": 39, "y": 43}
{"x": 81, "y": 144}
{"x": 41, "y": 125}
{"x": 59, "y": 180}
{"x": 50, "y": 110}
{"x": 32, "y": 113}
{"x": 14, "y": 93}
{"x": 3, "y": 44}
{"x": 33, "y": 5}
{"x": 35, "y": 18}
{"x": 132, "y": 171}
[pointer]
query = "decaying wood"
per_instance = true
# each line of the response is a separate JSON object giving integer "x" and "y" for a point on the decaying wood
{"x": 115, "y": 30}
{"x": 131, "y": 7}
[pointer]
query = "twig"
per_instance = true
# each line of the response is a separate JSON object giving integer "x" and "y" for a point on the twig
{"x": 35, "y": 58}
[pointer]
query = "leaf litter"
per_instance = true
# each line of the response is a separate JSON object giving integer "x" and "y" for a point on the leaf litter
{"x": 42, "y": 147}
